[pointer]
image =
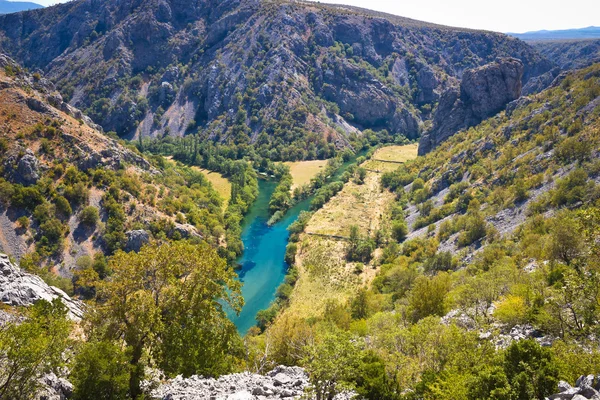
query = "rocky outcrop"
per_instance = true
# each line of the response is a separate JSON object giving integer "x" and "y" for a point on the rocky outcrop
{"x": 483, "y": 93}
{"x": 21, "y": 166}
{"x": 18, "y": 288}
{"x": 586, "y": 387}
{"x": 282, "y": 382}
{"x": 136, "y": 239}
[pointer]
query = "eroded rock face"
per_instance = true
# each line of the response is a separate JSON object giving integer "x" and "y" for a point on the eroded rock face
{"x": 136, "y": 239}
{"x": 22, "y": 167}
{"x": 483, "y": 92}
{"x": 18, "y": 288}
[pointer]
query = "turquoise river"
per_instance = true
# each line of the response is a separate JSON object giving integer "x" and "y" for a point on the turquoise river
{"x": 263, "y": 267}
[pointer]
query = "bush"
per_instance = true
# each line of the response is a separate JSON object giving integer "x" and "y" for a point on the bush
{"x": 399, "y": 231}
{"x": 512, "y": 310}
{"x": 23, "y": 222}
{"x": 530, "y": 369}
{"x": 100, "y": 371}
{"x": 89, "y": 216}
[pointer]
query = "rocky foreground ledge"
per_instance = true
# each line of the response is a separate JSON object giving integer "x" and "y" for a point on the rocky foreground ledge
{"x": 19, "y": 288}
{"x": 281, "y": 383}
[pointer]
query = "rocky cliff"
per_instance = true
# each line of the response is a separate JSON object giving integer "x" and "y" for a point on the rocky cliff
{"x": 234, "y": 69}
{"x": 18, "y": 288}
{"x": 483, "y": 92}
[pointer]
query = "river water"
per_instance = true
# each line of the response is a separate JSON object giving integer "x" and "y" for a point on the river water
{"x": 263, "y": 267}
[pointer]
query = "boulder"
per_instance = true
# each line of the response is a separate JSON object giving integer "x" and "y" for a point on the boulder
{"x": 483, "y": 92}
{"x": 18, "y": 288}
{"x": 22, "y": 166}
{"x": 136, "y": 239}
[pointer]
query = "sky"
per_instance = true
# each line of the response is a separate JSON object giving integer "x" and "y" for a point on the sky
{"x": 515, "y": 16}
{"x": 502, "y": 16}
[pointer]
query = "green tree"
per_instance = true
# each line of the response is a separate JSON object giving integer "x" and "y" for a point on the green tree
{"x": 89, "y": 216}
{"x": 100, "y": 371}
{"x": 428, "y": 296}
{"x": 331, "y": 363}
{"x": 530, "y": 369}
{"x": 167, "y": 301}
{"x": 30, "y": 349}
{"x": 490, "y": 384}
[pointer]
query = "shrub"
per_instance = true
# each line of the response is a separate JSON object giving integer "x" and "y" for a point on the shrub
{"x": 89, "y": 216}
{"x": 100, "y": 371}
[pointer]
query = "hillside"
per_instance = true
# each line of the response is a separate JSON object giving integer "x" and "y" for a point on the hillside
{"x": 570, "y": 54}
{"x": 303, "y": 74}
{"x": 69, "y": 195}
{"x": 485, "y": 257}
{"x": 7, "y": 7}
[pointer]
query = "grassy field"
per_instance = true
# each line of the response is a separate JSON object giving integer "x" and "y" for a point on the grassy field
{"x": 363, "y": 205}
{"x": 324, "y": 273}
{"x": 397, "y": 153}
{"x": 303, "y": 171}
{"x": 220, "y": 184}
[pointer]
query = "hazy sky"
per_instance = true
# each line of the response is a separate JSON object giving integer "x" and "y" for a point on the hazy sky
{"x": 502, "y": 16}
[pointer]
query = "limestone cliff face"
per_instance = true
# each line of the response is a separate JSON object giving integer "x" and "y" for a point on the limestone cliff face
{"x": 158, "y": 67}
{"x": 18, "y": 288}
{"x": 483, "y": 92}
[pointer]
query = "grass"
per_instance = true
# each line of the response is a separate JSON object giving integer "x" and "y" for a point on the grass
{"x": 362, "y": 205}
{"x": 219, "y": 183}
{"x": 303, "y": 171}
{"x": 324, "y": 273}
{"x": 397, "y": 153}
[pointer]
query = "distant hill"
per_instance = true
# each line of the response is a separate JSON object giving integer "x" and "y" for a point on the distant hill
{"x": 7, "y": 7}
{"x": 570, "y": 54}
{"x": 591, "y": 32}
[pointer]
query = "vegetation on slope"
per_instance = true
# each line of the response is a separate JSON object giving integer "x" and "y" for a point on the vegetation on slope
{"x": 436, "y": 321}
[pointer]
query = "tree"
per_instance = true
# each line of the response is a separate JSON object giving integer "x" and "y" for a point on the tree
{"x": 89, "y": 216}
{"x": 490, "y": 384}
{"x": 167, "y": 301}
{"x": 100, "y": 371}
{"x": 30, "y": 349}
{"x": 530, "y": 369}
{"x": 399, "y": 231}
{"x": 565, "y": 239}
{"x": 428, "y": 296}
{"x": 331, "y": 363}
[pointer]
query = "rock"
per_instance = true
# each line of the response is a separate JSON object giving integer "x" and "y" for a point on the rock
{"x": 563, "y": 386}
{"x": 483, "y": 92}
{"x": 187, "y": 231}
{"x": 579, "y": 397}
{"x": 243, "y": 395}
{"x": 584, "y": 380}
{"x": 281, "y": 379}
{"x": 56, "y": 388}
{"x": 136, "y": 239}
{"x": 281, "y": 382}
{"x": 18, "y": 288}
{"x": 22, "y": 166}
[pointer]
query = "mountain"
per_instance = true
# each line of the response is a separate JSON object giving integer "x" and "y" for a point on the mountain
{"x": 7, "y": 7}
{"x": 305, "y": 74}
{"x": 570, "y": 54}
{"x": 591, "y": 32}
{"x": 69, "y": 194}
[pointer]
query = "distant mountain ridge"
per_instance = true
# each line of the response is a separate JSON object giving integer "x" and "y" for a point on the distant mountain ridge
{"x": 591, "y": 32}
{"x": 7, "y": 7}
{"x": 267, "y": 72}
